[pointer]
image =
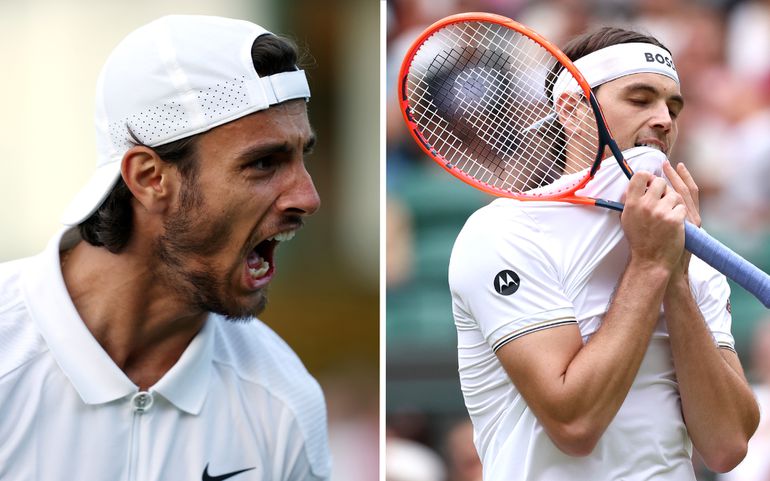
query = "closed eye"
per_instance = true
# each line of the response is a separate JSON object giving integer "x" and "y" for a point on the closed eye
{"x": 639, "y": 101}
{"x": 674, "y": 110}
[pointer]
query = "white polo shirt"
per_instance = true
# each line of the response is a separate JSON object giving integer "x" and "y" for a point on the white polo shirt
{"x": 520, "y": 267}
{"x": 237, "y": 405}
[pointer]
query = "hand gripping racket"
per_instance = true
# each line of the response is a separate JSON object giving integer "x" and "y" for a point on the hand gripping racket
{"x": 476, "y": 92}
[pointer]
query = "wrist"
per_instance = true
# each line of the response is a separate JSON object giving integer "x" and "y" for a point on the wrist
{"x": 653, "y": 270}
{"x": 678, "y": 284}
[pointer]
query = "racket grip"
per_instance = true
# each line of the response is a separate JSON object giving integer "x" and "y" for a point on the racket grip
{"x": 732, "y": 265}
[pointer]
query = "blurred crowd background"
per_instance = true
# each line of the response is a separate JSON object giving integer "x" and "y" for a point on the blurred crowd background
{"x": 722, "y": 53}
{"x": 325, "y": 300}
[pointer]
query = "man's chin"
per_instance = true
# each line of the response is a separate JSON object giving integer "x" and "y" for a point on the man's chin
{"x": 247, "y": 311}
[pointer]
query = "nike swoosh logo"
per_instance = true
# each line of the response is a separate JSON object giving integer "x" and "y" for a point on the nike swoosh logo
{"x": 221, "y": 477}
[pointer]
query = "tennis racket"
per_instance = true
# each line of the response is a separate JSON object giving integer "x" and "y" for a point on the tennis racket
{"x": 475, "y": 90}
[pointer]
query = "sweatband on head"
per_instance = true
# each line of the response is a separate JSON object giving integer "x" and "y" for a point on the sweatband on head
{"x": 617, "y": 61}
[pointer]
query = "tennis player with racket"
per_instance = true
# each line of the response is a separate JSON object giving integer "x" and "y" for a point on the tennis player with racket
{"x": 592, "y": 345}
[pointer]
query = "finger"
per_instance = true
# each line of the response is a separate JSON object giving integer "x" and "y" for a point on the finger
{"x": 637, "y": 186}
{"x": 674, "y": 200}
{"x": 673, "y": 177}
{"x": 692, "y": 199}
{"x": 656, "y": 188}
{"x": 680, "y": 186}
{"x": 688, "y": 179}
{"x": 661, "y": 192}
{"x": 679, "y": 213}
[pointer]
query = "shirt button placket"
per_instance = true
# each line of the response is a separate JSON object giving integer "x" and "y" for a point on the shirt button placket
{"x": 142, "y": 402}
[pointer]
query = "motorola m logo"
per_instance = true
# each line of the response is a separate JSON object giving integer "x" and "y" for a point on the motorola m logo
{"x": 506, "y": 282}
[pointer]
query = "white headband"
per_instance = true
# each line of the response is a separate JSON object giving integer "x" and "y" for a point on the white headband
{"x": 617, "y": 61}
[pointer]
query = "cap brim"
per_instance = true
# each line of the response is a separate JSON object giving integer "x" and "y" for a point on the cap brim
{"x": 92, "y": 194}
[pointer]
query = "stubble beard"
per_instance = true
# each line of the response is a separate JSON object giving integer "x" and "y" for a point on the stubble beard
{"x": 189, "y": 236}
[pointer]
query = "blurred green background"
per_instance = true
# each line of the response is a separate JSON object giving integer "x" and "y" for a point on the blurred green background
{"x": 722, "y": 51}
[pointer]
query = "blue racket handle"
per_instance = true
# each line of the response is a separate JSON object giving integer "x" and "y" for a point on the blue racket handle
{"x": 721, "y": 258}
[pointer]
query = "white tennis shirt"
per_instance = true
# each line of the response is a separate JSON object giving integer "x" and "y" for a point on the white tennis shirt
{"x": 519, "y": 267}
{"x": 238, "y": 399}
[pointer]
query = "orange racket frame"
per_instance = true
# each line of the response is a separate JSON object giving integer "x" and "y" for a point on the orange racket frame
{"x": 605, "y": 136}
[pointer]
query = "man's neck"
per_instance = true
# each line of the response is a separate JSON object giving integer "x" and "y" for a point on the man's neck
{"x": 140, "y": 322}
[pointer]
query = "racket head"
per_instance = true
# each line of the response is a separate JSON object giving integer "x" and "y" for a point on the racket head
{"x": 472, "y": 90}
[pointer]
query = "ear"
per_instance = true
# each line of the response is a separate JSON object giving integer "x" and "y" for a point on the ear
{"x": 571, "y": 111}
{"x": 153, "y": 182}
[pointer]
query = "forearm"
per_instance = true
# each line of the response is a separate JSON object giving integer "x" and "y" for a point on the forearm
{"x": 576, "y": 390}
{"x": 718, "y": 406}
{"x": 599, "y": 377}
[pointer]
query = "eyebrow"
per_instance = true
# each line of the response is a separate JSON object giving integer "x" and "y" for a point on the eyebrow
{"x": 676, "y": 98}
{"x": 271, "y": 148}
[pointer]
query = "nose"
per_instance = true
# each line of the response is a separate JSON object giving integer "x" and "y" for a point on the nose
{"x": 300, "y": 195}
{"x": 661, "y": 117}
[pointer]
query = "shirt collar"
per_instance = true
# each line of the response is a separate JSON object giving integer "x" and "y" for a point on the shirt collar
{"x": 93, "y": 374}
{"x": 186, "y": 384}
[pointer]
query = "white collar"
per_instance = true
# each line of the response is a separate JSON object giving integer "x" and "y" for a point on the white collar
{"x": 610, "y": 182}
{"x": 93, "y": 374}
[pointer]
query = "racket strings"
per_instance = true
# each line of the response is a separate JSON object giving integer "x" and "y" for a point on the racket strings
{"x": 477, "y": 93}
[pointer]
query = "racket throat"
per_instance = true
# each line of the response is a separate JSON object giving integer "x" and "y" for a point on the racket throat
{"x": 609, "y": 204}
{"x": 605, "y": 139}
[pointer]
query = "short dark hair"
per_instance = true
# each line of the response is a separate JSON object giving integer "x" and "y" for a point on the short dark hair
{"x": 592, "y": 41}
{"x": 110, "y": 225}
{"x": 576, "y": 48}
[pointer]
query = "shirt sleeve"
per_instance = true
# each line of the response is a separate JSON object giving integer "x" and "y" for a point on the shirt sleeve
{"x": 297, "y": 457}
{"x": 503, "y": 280}
{"x": 301, "y": 426}
{"x": 712, "y": 293}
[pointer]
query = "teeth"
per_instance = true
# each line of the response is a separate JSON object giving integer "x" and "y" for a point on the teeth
{"x": 283, "y": 236}
{"x": 256, "y": 273}
{"x": 652, "y": 146}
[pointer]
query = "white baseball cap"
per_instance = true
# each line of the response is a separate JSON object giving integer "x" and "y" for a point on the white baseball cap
{"x": 175, "y": 77}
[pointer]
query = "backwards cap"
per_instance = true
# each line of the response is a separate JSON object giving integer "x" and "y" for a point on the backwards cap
{"x": 173, "y": 78}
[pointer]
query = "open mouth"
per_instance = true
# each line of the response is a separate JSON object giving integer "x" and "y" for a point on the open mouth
{"x": 260, "y": 263}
